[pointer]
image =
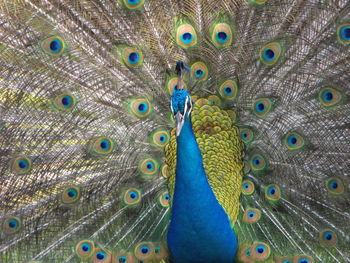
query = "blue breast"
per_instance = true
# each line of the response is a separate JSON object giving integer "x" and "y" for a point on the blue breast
{"x": 199, "y": 229}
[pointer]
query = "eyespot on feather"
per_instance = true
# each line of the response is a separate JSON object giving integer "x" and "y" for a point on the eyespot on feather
{"x": 144, "y": 251}
{"x": 343, "y": 34}
{"x": 132, "y": 196}
{"x": 262, "y": 107}
{"x": 132, "y": 57}
{"x": 273, "y": 192}
{"x": 330, "y": 97}
{"x": 294, "y": 141}
{"x": 160, "y": 137}
{"x": 164, "y": 170}
{"x": 186, "y": 35}
{"x": 251, "y": 215}
{"x": 70, "y": 195}
{"x": 101, "y": 146}
{"x": 244, "y": 253}
{"x": 328, "y": 238}
{"x": 303, "y": 259}
{"x": 64, "y": 102}
{"x": 271, "y": 53}
{"x": 164, "y": 199}
{"x": 140, "y": 107}
{"x": 246, "y": 167}
{"x": 228, "y": 89}
{"x": 335, "y": 185}
{"x": 21, "y": 165}
{"x": 123, "y": 258}
{"x": 214, "y": 100}
{"x": 148, "y": 167}
{"x": 257, "y": 163}
{"x": 133, "y": 4}
{"x": 199, "y": 71}
{"x": 260, "y": 251}
{"x": 160, "y": 251}
{"x": 54, "y": 45}
{"x": 284, "y": 260}
{"x": 101, "y": 256}
{"x": 247, "y": 135}
{"x": 11, "y": 225}
{"x": 221, "y": 35}
{"x": 248, "y": 187}
{"x": 85, "y": 249}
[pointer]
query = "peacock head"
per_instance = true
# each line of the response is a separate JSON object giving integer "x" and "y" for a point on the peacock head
{"x": 180, "y": 67}
{"x": 181, "y": 103}
{"x": 181, "y": 106}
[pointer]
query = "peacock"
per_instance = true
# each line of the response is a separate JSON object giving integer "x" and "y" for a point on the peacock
{"x": 192, "y": 131}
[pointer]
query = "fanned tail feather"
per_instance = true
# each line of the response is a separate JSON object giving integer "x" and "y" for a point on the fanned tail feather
{"x": 84, "y": 118}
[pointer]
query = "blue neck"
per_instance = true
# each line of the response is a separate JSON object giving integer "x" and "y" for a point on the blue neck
{"x": 199, "y": 229}
{"x": 190, "y": 173}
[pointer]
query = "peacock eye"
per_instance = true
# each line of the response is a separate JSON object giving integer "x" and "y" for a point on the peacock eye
{"x": 85, "y": 249}
{"x": 260, "y": 249}
{"x": 122, "y": 259}
{"x": 54, "y": 45}
{"x": 134, "y": 4}
{"x": 251, "y": 215}
{"x": 273, "y": 192}
{"x": 144, "y": 251}
{"x": 328, "y": 238}
{"x": 70, "y": 195}
{"x": 260, "y": 252}
{"x": 335, "y": 185}
{"x": 11, "y": 225}
{"x": 100, "y": 255}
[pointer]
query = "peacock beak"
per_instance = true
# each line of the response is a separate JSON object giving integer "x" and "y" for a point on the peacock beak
{"x": 179, "y": 122}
